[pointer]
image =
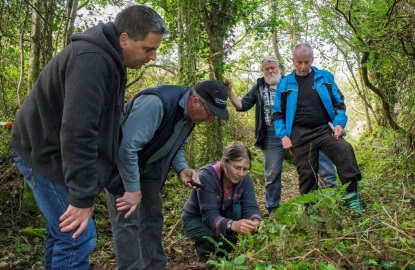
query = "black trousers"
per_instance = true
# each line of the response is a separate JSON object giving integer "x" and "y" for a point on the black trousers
{"x": 306, "y": 144}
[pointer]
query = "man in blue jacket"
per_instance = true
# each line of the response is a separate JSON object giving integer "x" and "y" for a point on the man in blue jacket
{"x": 261, "y": 96}
{"x": 157, "y": 123}
{"x": 310, "y": 115}
{"x": 65, "y": 136}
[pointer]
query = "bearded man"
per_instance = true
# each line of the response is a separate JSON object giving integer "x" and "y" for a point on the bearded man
{"x": 262, "y": 95}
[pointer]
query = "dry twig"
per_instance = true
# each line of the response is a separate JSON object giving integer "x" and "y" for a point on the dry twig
{"x": 344, "y": 258}
{"x": 398, "y": 230}
{"x": 173, "y": 228}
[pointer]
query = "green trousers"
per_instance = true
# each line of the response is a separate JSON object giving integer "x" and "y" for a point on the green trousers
{"x": 195, "y": 229}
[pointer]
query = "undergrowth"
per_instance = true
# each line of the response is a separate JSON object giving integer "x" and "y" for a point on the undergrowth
{"x": 316, "y": 231}
{"x": 313, "y": 231}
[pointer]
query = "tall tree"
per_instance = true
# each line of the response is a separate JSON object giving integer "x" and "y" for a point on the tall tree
{"x": 35, "y": 43}
{"x": 273, "y": 4}
{"x": 374, "y": 39}
{"x": 69, "y": 21}
{"x": 379, "y": 33}
{"x": 201, "y": 29}
{"x": 219, "y": 18}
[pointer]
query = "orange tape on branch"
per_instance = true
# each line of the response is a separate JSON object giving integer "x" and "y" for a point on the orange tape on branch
{"x": 227, "y": 47}
{"x": 6, "y": 123}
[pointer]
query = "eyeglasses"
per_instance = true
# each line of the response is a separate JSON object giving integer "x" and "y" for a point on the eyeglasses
{"x": 210, "y": 114}
{"x": 240, "y": 168}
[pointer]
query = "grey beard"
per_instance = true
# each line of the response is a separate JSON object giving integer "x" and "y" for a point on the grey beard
{"x": 273, "y": 80}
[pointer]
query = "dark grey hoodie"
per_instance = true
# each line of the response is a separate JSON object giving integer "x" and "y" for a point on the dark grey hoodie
{"x": 67, "y": 128}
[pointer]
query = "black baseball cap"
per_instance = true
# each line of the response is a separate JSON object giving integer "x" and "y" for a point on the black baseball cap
{"x": 216, "y": 95}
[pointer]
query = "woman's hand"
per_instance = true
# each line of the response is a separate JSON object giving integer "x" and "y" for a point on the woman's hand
{"x": 244, "y": 226}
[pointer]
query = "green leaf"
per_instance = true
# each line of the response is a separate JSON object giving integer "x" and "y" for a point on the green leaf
{"x": 239, "y": 260}
{"x": 387, "y": 264}
{"x": 317, "y": 218}
{"x": 372, "y": 262}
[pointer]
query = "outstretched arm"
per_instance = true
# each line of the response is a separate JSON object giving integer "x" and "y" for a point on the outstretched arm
{"x": 189, "y": 175}
{"x": 236, "y": 102}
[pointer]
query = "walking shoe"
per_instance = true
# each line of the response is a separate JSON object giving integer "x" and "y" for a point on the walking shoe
{"x": 356, "y": 206}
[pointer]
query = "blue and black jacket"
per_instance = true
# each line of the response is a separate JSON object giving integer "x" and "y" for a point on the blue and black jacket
{"x": 285, "y": 105}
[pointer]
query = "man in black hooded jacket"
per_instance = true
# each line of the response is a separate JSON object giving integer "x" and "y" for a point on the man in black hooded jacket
{"x": 65, "y": 136}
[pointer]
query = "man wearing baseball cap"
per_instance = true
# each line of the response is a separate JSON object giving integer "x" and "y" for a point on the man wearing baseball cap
{"x": 155, "y": 127}
{"x": 214, "y": 95}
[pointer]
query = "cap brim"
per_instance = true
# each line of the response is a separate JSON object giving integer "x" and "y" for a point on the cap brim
{"x": 222, "y": 114}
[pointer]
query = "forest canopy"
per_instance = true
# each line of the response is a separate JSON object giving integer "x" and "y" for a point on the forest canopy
{"x": 369, "y": 44}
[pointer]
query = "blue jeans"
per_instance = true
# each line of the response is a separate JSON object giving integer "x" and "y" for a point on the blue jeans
{"x": 138, "y": 238}
{"x": 273, "y": 153}
{"x": 61, "y": 250}
{"x": 327, "y": 172}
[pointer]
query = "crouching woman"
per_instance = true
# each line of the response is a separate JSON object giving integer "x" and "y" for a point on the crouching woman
{"x": 226, "y": 204}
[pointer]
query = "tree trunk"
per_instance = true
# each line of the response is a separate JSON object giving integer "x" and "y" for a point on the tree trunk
{"x": 49, "y": 19}
{"x": 274, "y": 32}
{"x": 217, "y": 20}
{"x": 69, "y": 21}
{"x": 35, "y": 47}
{"x": 383, "y": 99}
{"x": 22, "y": 58}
